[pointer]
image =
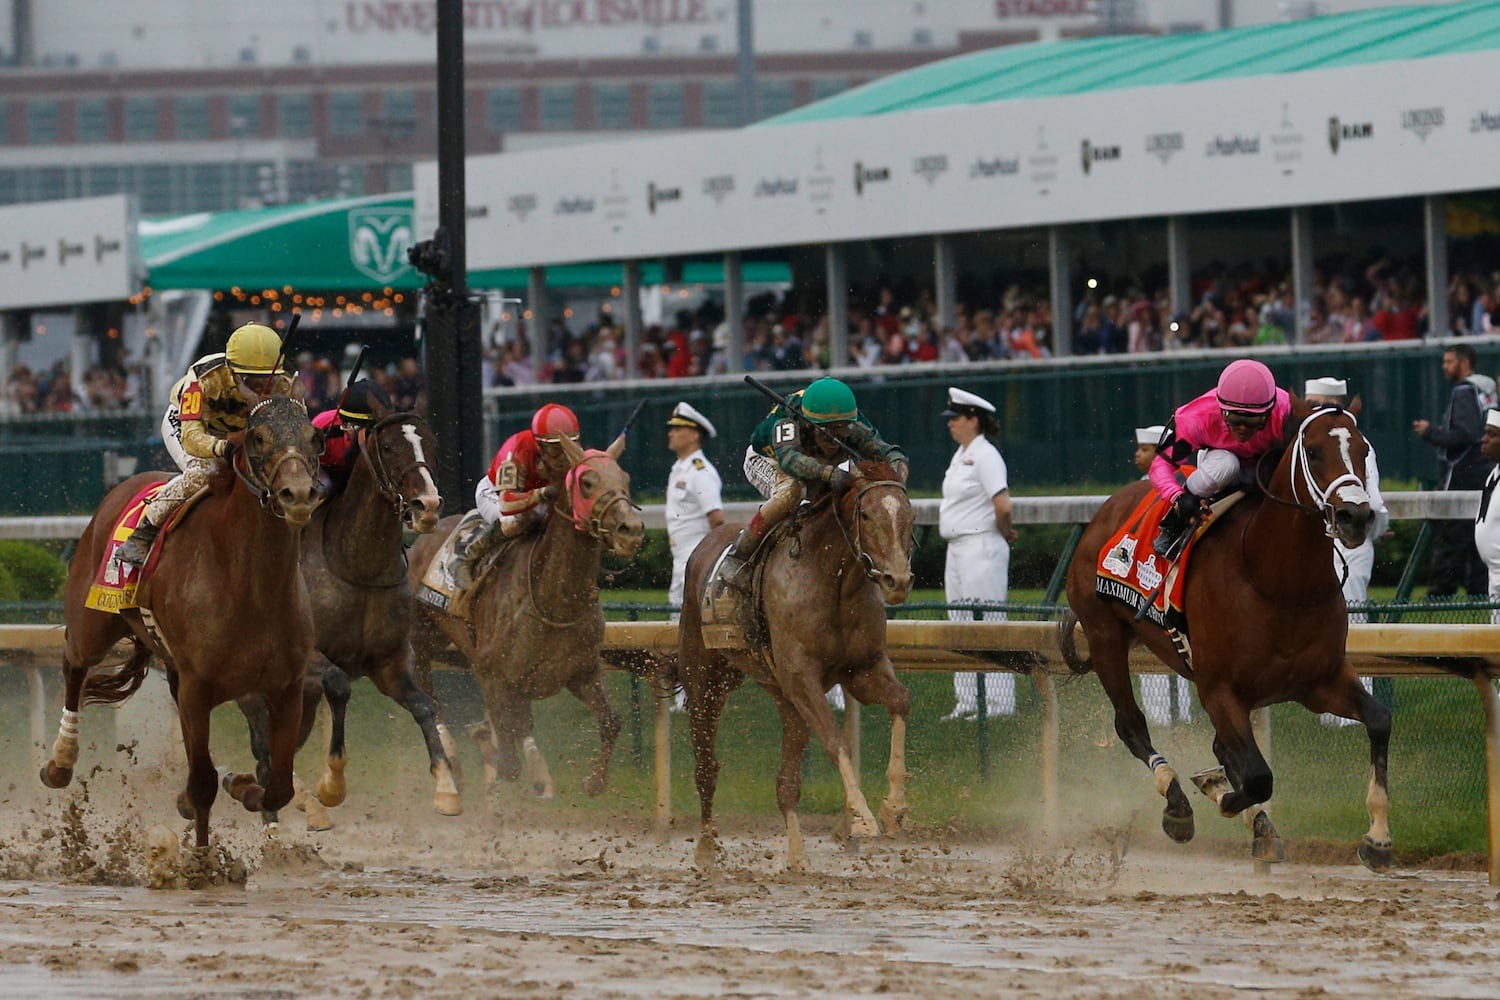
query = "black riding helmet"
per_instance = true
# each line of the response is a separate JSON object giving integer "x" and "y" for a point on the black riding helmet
{"x": 363, "y": 403}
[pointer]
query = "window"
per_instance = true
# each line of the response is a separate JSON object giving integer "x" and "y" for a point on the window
{"x": 559, "y": 107}
{"x": 611, "y": 105}
{"x": 721, "y": 104}
{"x": 192, "y": 117}
{"x": 4, "y": 124}
{"x": 346, "y": 112}
{"x": 141, "y": 119}
{"x": 155, "y": 189}
{"x": 244, "y": 115}
{"x": 206, "y": 188}
{"x": 93, "y": 120}
{"x": 827, "y": 87}
{"x": 46, "y": 183}
{"x": 10, "y": 185}
{"x": 503, "y": 110}
{"x": 399, "y": 106}
{"x": 103, "y": 180}
{"x": 774, "y": 97}
{"x": 294, "y": 115}
{"x": 41, "y": 123}
{"x": 664, "y": 106}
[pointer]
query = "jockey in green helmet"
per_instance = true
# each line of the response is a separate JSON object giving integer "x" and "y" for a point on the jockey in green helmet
{"x": 799, "y": 447}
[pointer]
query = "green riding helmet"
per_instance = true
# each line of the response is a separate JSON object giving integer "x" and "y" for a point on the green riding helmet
{"x": 829, "y": 401}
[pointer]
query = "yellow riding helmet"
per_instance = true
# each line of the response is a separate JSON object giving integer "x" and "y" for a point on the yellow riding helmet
{"x": 253, "y": 349}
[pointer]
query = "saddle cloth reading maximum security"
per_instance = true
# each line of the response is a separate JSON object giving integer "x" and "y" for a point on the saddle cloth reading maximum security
{"x": 115, "y": 583}
{"x": 440, "y": 585}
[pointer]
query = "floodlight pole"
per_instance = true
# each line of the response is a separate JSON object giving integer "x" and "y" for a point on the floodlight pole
{"x": 454, "y": 387}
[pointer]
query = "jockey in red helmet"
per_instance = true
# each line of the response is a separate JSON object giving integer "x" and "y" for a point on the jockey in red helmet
{"x": 524, "y": 476}
{"x": 1233, "y": 425}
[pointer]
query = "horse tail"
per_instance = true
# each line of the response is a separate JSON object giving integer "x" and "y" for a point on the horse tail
{"x": 114, "y": 686}
{"x": 1067, "y": 643}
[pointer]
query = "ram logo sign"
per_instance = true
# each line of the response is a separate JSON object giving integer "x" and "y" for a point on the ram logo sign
{"x": 378, "y": 241}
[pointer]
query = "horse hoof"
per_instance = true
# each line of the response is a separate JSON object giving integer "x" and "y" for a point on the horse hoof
{"x": 56, "y": 777}
{"x": 332, "y": 793}
{"x": 448, "y": 804}
{"x": 542, "y": 790}
{"x": 253, "y": 798}
{"x": 893, "y": 820}
{"x": 318, "y": 821}
{"x": 706, "y": 854}
{"x": 185, "y": 806}
{"x": 1268, "y": 850}
{"x": 1374, "y": 856}
{"x": 594, "y": 785}
{"x": 1179, "y": 828}
{"x": 1212, "y": 783}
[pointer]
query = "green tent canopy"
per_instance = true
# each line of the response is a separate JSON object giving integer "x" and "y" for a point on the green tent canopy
{"x": 353, "y": 244}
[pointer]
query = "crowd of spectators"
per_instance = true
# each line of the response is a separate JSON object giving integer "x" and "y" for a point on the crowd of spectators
{"x": 54, "y": 390}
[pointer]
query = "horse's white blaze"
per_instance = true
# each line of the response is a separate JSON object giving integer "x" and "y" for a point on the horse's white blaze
{"x": 1379, "y": 806}
{"x": 1342, "y": 433}
{"x": 409, "y": 431}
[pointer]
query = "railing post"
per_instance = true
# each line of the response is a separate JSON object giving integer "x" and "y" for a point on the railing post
{"x": 663, "y": 824}
{"x": 983, "y": 716}
{"x": 637, "y": 748}
{"x": 1491, "y": 768}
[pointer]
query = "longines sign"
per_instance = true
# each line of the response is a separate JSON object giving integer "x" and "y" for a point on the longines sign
{"x": 482, "y": 16}
{"x": 1387, "y": 130}
{"x": 67, "y": 252}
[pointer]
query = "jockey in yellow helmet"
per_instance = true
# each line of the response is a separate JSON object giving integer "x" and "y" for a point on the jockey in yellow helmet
{"x": 204, "y": 410}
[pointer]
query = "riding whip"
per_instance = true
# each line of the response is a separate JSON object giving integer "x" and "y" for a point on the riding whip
{"x": 353, "y": 374}
{"x": 291, "y": 328}
{"x": 634, "y": 416}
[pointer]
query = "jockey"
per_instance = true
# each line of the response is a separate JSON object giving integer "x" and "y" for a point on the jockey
{"x": 513, "y": 495}
{"x": 799, "y": 447}
{"x": 1233, "y": 425}
{"x": 363, "y": 403}
{"x": 205, "y": 409}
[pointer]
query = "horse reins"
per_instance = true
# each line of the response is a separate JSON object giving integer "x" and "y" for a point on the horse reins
{"x": 389, "y": 486}
{"x": 590, "y": 523}
{"x": 1350, "y": 487}
{"x": 872, "y": 572}
{"x": 259, "y": 484}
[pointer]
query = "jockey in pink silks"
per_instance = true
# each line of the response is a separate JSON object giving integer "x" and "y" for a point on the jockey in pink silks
{"x": 1232, "y": 426}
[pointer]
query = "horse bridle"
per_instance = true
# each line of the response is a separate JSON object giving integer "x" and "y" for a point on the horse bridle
{"x": 1349, "y": 486}
{"x": 259, "y": 484}
{"x": 592, "y": 521}
{"x": 387, "y": 485}
{"x": 872, "y": 572}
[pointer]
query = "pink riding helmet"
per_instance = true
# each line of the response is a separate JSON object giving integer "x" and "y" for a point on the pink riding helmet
{"x": 1247, "y": 386}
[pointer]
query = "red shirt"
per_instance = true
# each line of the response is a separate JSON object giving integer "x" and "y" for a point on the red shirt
{"x": 335, "y": 443}
{"x": 516, "y": 471}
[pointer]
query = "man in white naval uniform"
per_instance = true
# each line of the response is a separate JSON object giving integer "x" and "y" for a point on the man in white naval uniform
{"x": 1487, "y": 521}
{"x": 975, "y": 519}
{"x": 1156, "y": 689}
{"x": 695, "y": 502}
{"x": 1355, "y": 565}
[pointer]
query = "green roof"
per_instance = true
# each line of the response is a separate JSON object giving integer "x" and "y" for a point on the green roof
{"x": 1055, "y": 69}
{"x": 354, "y": 244}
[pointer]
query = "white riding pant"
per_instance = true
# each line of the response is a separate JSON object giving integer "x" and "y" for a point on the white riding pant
{"x": 978, "y": 569}
{"x": 192, "y": 478}
{"x": 1219, "y": 471}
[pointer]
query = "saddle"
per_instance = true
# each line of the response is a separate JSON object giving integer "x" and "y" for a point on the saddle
{"x": 1149, "y": 586}
{"x": 440, "y": 587}
{"x": 733, "y": 619}
{"x": 118, "y": 586}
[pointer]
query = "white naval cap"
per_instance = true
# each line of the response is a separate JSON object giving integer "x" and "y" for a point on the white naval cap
{"x": 684, "y": 415}
{"x": 1149, "y": 435}
{"x": 1325, "y": 386}
{"x": 962, "y": 403}
{"x": 1492, "y": 419}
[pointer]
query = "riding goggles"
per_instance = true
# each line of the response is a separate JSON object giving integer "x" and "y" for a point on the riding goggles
{"x": 1237, "y": 419}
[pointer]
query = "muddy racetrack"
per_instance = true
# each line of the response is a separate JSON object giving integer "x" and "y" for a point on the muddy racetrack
{"x": 399, "y": 901}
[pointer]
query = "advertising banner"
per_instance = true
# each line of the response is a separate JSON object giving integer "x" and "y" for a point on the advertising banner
{"x": 67, "y": 252}
{"x": 1388, "y": 130}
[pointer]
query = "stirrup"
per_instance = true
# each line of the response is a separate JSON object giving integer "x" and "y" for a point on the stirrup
{"x": 138, "y": 546}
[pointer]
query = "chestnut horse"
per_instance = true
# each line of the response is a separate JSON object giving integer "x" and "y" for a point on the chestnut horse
{"x": 824, "y": 588}
{"x": 226, "y": 603}
{"x": 1266, "y": 620}
{"x": 533, "y": 624}
{"x": 354, "y": 564}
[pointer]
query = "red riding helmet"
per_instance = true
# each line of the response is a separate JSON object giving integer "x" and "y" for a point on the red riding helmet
{"x": 554, "y": 421}
{"x": 1246, "y": 386}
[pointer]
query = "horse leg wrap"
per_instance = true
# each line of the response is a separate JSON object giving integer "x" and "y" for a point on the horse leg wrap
{"x": 65, "y": 749}
{"x": 1161, "y": 773}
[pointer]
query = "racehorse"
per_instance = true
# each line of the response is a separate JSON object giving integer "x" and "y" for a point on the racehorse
{"x": 533, "y": 624}
{"x": 226, "y": 608}
{"x": 825, "y": 583}
{"x": 1266, "y": 620}
{"x": 354, "y": 565}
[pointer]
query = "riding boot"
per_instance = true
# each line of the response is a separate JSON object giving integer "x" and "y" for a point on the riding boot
{"x": 732, "y": 572}
{"x": 138, "y": 546}
{"x": 482, "y": 542}
{"x": 1175, "y": 523}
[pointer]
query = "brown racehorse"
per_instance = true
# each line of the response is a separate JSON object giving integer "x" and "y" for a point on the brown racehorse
{"x": 1267, "y": 623}
{"x": 824, "y": 590}
{"x": 354, "y": 564}
{"x": 227, "y": 601}
{"x": 533, "y": 624}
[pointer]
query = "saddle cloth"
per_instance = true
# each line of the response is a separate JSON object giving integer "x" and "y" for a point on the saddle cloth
{"x": 732, "y": 619}
{"x": 1129, "y": 570}
{"x": 115, "y": 583}
{"x": 440, "y": 585}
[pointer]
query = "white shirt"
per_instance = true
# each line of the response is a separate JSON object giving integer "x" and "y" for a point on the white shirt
{"x": 693, "y": 490}
{"x": 1487, "y": 522}
{"x": 974, "y": 477}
